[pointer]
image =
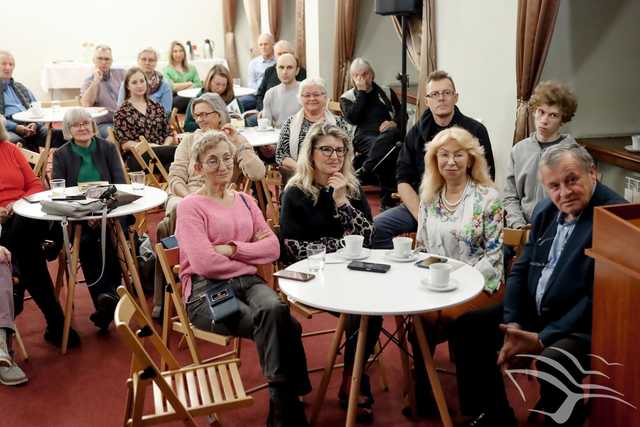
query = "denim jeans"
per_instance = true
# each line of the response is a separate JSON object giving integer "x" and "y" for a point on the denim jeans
{"x": 391, "y": 223}
{"x": 264, "y": 318}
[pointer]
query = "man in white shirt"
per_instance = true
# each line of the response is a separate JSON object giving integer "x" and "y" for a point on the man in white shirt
{"x": 257, "y": 66}
{"x": 281, "y": 101}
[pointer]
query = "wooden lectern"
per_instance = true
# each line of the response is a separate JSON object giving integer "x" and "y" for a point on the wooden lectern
{"x": 616, "y": 313}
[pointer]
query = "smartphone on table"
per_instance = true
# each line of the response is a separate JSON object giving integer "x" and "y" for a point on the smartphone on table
{"x": 294, "y": 275}
{"x": 430, "y": 260}
{"x": 368, "y": 266}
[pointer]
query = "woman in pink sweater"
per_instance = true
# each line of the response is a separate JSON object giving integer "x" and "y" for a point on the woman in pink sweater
{"x": 223, "y": 237}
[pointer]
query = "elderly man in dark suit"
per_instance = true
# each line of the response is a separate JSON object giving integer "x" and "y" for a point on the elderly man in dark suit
{"x": 547, "y": 308}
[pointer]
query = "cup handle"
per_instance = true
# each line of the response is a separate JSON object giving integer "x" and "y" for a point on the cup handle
{"x": 342, "y": 244}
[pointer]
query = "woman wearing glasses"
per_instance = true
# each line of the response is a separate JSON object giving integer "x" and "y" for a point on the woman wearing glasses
{"x": 87, "y": 158}
{"x": 321, "y": 204}
{"x": 312, "y": 95}
{"x": 223, "y": 237}
{"x": 460, "y": 216}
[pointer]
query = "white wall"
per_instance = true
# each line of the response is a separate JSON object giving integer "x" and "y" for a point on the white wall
{"x": 476, "y": 45}
{"x": 596, "y": 49}
{"x": 380, "y": 44}
{"x": 40, "y": 31}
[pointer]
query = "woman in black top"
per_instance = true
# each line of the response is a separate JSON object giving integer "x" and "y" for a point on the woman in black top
{"x": 322, "y": 203}
{"x": 86, "y": 158}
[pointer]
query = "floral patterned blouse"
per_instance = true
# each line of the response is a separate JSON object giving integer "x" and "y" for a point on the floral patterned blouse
{"x": 472, "y": 233}
{"x": 130, "y": 124}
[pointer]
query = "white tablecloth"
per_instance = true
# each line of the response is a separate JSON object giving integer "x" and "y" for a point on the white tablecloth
{"x": 70, "y": 75}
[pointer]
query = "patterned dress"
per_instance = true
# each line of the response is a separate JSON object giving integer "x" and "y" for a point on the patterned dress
{"x": 471, "y": 233}
{"x": 129, "y": 124}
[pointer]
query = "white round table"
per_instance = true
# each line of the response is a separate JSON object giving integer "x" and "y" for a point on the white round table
{"x": 151, "y": 197}
{"x": 192, "y": 92}
{"x": 397, "y": 292}
{"x": 258, "y": 138}
{"x": 48, "y": 117}
{"x": 55, "y": 115}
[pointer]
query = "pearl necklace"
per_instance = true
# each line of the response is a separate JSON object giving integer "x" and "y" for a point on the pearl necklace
{"x": 452, "y": 206}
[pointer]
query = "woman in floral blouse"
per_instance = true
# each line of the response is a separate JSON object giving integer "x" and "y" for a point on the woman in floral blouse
{"x": 460, "y": 217}
{"x": 140, "y": 116}
{"x": 322, "y": 203}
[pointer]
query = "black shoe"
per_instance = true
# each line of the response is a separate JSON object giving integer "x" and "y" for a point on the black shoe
{"x": 105, "y": 307}
{"x": 286, "y": 414}
{"x": 55, "y": 337}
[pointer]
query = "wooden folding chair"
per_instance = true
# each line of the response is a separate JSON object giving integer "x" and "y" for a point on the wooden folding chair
{"x": 334, "y": 107}
{"x": 169, "y": 260}
{"x": 174, "y": 122}
{"x": 516, "y": 238}
{"x": 267, "y": 203}
{"x": 37, "y": 161}
{"x": 180, "y": 393}
{"x": 155, "y": 173}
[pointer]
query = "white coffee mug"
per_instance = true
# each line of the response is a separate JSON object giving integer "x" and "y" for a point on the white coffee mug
{"x": 439, "y": 275}
{"x": 402, "y": 246}
{"x": 263, "y": 123}
{"x": 352, "y": 244}
{"x": 635, "y": 142}
{"x": 36, "y": 109}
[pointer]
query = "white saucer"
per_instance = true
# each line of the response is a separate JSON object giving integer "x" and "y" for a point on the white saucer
{"x": 393, "y": 257}
{"x": 631, "y": 149}
{"x": 269, "y": 129}
{"x": 453, "y": 284}
{"x": 362, "y": 255}
{"x": 334, "y": 258}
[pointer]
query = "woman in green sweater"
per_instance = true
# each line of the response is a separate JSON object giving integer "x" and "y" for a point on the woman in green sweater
{"x": 180, "y": 74}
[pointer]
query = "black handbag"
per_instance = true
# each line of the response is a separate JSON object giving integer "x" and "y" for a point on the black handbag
{"x": 223, "y": 302}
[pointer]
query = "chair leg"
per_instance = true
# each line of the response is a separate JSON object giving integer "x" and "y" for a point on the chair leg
{"x": 21, "y": 347}
{"x": 384, "y": 381}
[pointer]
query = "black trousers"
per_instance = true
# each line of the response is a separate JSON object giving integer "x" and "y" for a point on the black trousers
{"x": 264, "y": 318}
{"x": 374, "y": 147}
{"x": 476, "y": 342}
{"x": 91, "y": 262}
{"x": 181, "y": 103}
{"x": 24, "y": 237}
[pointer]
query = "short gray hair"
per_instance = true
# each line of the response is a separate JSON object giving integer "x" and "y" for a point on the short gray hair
{"x": 285, "y": 45}
{"x": 360, "y": 64}
{"x": 102, "y": 47}
{"x": 216, "y": 102}
{"x": 73, "y": 116}
{"x": 148, "y": 50}
{"x": 209, "y": 140}
{"x": 311, "y": 81}
{"x": 6, "y": 53}
{"x": 553, "y": 154}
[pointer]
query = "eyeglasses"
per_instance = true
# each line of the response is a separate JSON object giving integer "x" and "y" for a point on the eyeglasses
{"x": 81, "y": 125}
{"x": 214, "y": 163}
{"x": 203, "y": 115}
{"x": 312, "y": 95}
{"x": 103, "y": 58}
{"x": 436, "y": 93}
{"x": 328, "y": 151}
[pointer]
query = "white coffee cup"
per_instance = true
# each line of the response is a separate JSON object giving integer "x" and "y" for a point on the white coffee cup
{"x": 439, "y": 275}
{"x": 36, "y": 109}
{"x": 635, "y": 142}
{"x": 263, "y": 123}
{"x": 402, "y": 246}
{"x": 352, "y": 244}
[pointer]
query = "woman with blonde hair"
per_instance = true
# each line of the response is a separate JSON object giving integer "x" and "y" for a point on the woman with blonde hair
{"x": 460, "y": 217}
{"x": 322, "y": 203}
{"x": 180, "y": 74}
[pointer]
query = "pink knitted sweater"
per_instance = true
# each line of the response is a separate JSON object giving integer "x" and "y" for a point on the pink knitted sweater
{"x": 203, "y": 223}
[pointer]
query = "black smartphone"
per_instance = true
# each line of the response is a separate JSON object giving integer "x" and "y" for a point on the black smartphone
{"x": 294, "y": 275}
{"x": 169, "y": 242}
{"x": 368, "y": 266}
{"x": 430, "y": 260}
{"x": 69, "y": 198}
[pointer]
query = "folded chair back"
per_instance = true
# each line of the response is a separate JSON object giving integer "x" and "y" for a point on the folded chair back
{"x": 156, "y": 174}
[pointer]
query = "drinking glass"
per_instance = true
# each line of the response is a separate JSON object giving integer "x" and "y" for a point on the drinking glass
{"x": 317, "y": 252}
{"x": 137, "y": 180}
{"x": 57, "y": 187}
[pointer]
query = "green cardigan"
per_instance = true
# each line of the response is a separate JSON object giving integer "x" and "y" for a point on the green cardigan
{"x": 175, "y": 76}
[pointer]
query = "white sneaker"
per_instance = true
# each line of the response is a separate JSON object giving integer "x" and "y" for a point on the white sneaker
{"x": 12, "y": 375}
